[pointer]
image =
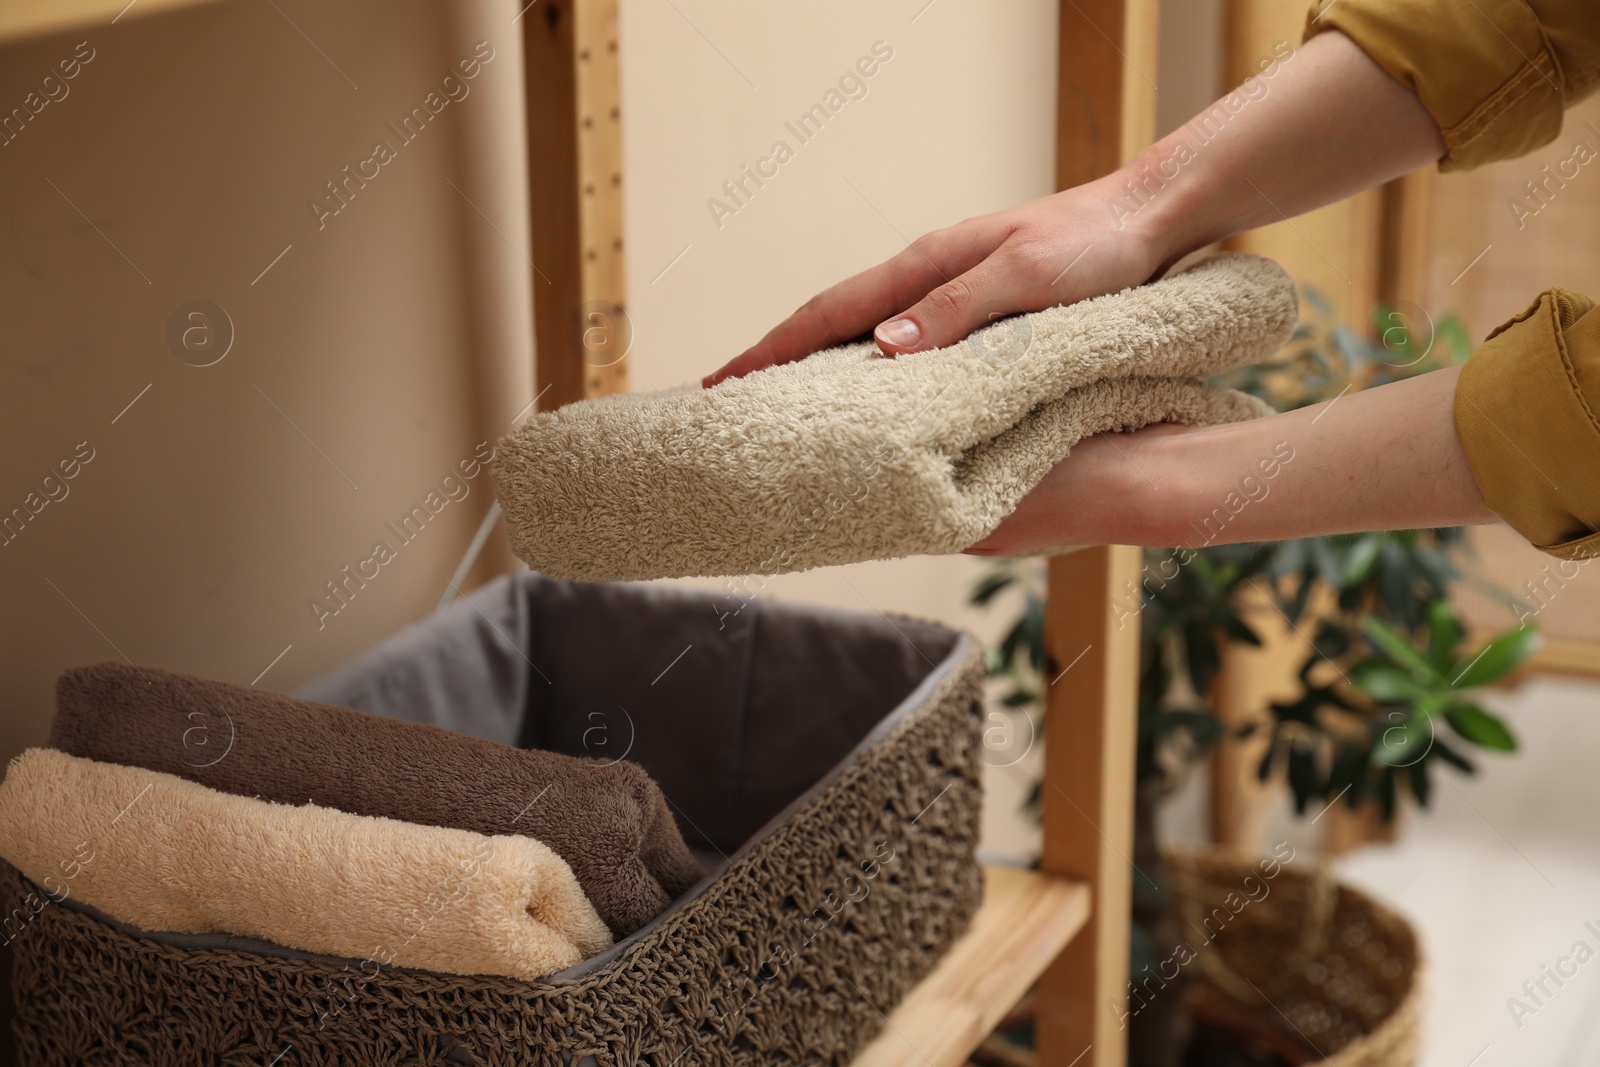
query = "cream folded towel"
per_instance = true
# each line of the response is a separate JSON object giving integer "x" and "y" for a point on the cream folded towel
{"x": 847, "y": 456}
{"x": 164, "y": 854}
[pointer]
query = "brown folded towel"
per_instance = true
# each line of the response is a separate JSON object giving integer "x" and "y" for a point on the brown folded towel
{"x": 609, "y": 822}
{"x": 164, "y": 854}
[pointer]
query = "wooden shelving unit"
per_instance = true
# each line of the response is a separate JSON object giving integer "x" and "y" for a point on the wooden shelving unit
{"x": 1027, "y": 918}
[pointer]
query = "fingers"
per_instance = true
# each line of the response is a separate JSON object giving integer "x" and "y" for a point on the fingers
{"x": 951, "y": 311}
{"x": 834, "y": 315}
{"x": 858, "y": 304}
{"x": 1027, "y": 273}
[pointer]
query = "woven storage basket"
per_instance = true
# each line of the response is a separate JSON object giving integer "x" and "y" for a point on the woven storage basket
{"x": 832, "y": 758}
{"x": 1320, "y": 971}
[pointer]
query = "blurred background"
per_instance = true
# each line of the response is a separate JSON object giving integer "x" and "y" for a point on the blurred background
{"x": 232, "y": 465}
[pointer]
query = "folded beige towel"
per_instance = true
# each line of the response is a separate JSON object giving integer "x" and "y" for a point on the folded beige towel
{"x": 165, "y": 854}
{"x": 847, "y": 456}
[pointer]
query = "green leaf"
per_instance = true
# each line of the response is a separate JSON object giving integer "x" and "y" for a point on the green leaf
{"x": 1303, "y": 780}
{"x": 1421, "y": 787}
{"x": 1396, "y": 594}
{"x": 1452, "y": 757}
{"x": 1240, "y": 630}
{"x": 985, "y": 590}
{"x": 1349, "y": 765}
{"x": 1033, "y": 630}
{"x": 1349, "y": 344}
{"x": 1295, "y": 606}
{"x": 1452, "y": 331}
{"x": 1290, "y": 558}
{"x": 1498, "y": 658}
{"x": 1402, "y": 740}
{"x": 1481, "y": 728}
{"x": 1203, "y": 726}
{"x": 1013, "y": 641}
{"x": 1386, "y": 794}
{"x": 1389, "y": 685}
{"x": 1444, "y": 632}
{"x": 1361, "y": 559}
{"x": 1332, "y": 639}
{"x": 1325, "y": 562}
{"x": 1264, "y": 768}
{"x": 1203, "y": 656}
{"x": 1398, "y": 649}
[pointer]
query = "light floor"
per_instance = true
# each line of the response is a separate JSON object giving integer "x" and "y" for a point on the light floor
{"x": 1500, "y": 879}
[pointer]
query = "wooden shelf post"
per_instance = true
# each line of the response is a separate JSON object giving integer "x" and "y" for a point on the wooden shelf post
{"x": 574, "y": 108}
{"x": 1090, "y": 729}
{"x": 1105, "y": 114}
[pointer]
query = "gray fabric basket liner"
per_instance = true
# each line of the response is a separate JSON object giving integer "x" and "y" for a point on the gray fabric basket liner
{"x": 767, "y": 704}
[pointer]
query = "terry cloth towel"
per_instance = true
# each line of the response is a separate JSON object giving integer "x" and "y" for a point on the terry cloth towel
{"x": 846, "y": 456}
{"x": 608, "y": 821}
{"x": 164, "y": 854}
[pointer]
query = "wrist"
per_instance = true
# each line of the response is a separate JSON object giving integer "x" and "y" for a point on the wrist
{"x": 1136, "y": 488}
{"x": 1160, "y": 199}
{"x": 1161, "y": 486}
{"x": 1170, "y": 475}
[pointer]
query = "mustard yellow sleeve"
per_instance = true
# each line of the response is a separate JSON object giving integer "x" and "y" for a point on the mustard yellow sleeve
{"x": 1525, "y": 411}
{"x": 1495, "y": 75}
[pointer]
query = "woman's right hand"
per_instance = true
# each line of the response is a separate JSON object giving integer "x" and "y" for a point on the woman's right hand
{"x": 1055, "y": 250}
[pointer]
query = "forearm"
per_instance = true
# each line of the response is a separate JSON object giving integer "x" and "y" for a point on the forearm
{"x": 1382, "y": 459}
{"x": 1323, "y": 122}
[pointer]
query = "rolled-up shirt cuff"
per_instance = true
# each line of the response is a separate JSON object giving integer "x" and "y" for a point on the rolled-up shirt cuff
{"x": 1525, "y": 410}
{"x": 1483, "y": 69}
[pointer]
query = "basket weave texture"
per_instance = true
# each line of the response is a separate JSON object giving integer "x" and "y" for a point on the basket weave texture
{"x": 793, "y": 956}
{"x": 1322, "y": 966}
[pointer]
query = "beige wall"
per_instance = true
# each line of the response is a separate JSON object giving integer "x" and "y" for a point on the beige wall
{"x": 1490, "y": 258}
{"x": 395, "y": 339}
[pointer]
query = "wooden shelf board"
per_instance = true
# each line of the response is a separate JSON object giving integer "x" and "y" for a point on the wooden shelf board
{"x": 1560, "y": 656}
{"x": 22, "y": 19}
{"x": 1026, "y": 919}
{"x": 1565, "y": 657}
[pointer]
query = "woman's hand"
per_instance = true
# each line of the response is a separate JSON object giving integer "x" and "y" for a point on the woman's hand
{"x": 1057, "y": 250}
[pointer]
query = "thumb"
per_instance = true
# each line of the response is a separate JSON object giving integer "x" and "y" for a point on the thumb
{"x": 952, "y": 311}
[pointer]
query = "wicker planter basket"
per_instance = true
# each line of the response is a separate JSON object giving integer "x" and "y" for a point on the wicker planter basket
{"x": 1320, "y": 972}
{"x": 831, "y": 758}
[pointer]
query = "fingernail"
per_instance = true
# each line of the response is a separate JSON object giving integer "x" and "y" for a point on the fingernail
{"x": 900, "y": 333}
